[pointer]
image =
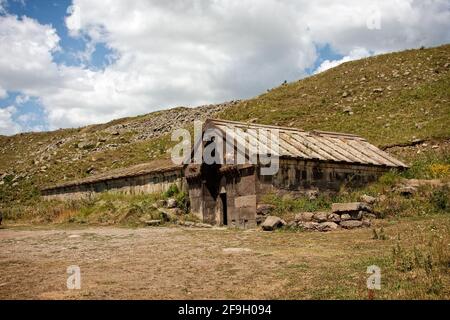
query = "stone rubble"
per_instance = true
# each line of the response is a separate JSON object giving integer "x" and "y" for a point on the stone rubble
{"x": 272, "y": 222}
{"x": 344, "y": 215}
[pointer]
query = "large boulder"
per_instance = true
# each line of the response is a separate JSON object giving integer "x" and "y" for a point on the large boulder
{"x": 327, "y": 226}
{"x": 351, "y": 224}
{"x": 333, "y": 217}
{"x": 341, "y": 208}
{"x": 304, "y": 216}
{"x": 271, "y": 223}
{"x": 320, "y": 216}
{"x": 309, "y": 225}
{"x": 368, "y": 215}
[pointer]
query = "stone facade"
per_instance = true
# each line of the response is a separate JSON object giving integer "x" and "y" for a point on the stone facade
{"x": 230, "y": 197}
{"x": 155, "y": 182}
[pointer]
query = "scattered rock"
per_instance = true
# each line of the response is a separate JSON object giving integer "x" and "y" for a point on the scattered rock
{"x": 345, "y": 217}
{"x": 171, "y": 203}
{"x": 291, "y": 224}
{"x": 406, "y": 191}
{"x": 351, "y": 224}
{"x": 309, "y": 225}
{"x": 153, "y": 222}
{"x": 333, "y": 217}
{"x": 320, "y": 216}
{"x": 202, "y": 225}
{"x": 368, "y": 199}
{"x": 367, "y": 215}
{"x": 423, "y": 182}
{"x": 304, "y": 216}
{"x": 378, "y": 90}
{"x": 312, "y": 194}
{"x": 85, "y": 145}
{"x": 348, "y": 110}
{"x": 271, "y": 223}
{"x": 349, "y": 207}
{"x": 90, "y": 170}
{"x": 327, "y": 226}
{"x": 186, "y": 223}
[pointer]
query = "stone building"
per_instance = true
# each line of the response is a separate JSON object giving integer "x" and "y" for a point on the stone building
{"x": 229, "y": 193}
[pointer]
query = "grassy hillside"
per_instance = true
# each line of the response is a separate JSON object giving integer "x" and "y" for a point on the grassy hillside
{"x": 388, "y": 99}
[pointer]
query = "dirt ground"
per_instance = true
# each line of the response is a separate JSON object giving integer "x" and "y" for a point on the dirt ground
{"x": 185, "y": 263}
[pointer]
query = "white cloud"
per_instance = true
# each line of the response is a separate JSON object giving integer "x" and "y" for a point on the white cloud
{"x": 172, "y": 53}
{"x": 357, "y": 53}
{"x": 26, "y": 62}
{"x": 3, "y": 93}
{"x": 21, "y": 99}
{"x": 7, "y": 124}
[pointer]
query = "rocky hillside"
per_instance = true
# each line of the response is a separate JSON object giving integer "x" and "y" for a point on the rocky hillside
{"x": 29, "y": 161}
{"x": 394, "y": 99}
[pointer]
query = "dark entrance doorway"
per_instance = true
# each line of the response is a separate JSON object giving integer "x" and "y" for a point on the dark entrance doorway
{"x": 223, "y": 197}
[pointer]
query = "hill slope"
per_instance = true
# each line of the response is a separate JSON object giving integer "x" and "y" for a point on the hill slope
{"x": 388, "y": 99}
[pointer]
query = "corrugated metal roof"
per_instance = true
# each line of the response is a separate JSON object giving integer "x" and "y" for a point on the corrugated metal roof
{"x": 314, "y": 145}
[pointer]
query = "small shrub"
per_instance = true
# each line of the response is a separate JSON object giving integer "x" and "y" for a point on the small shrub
{"x": 390, "y": 178}
{"x": 441, "y": 199}
{"x": 439, "y": 170}
{"x": 172, "y": 191}
{"x": 182, "y": 200}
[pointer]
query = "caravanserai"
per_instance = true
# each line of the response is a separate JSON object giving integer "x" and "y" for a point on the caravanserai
{"x": 229, "y": 193}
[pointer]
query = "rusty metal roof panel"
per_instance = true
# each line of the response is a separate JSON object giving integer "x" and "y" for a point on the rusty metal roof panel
{"x": 315, "y": 145}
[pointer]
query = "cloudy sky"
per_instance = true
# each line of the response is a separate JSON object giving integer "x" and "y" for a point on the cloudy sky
{"x": 71, "y": 63}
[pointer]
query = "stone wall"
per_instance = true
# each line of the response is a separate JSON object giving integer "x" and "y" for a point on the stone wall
{"x": 155, "y": 182}
{"x": 300, "y": 176}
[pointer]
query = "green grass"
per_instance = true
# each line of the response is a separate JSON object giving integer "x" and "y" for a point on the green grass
{"x": 413, "y": 257}
{"x": 106, "y": 208}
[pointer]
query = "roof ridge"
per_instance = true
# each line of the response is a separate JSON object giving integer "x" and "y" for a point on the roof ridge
{"x": 316, "y": 132}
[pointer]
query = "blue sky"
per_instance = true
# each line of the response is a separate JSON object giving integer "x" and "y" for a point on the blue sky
{"x": 68, "y": 64}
